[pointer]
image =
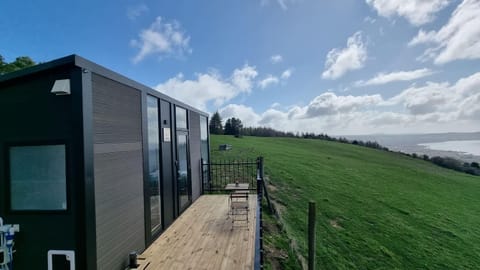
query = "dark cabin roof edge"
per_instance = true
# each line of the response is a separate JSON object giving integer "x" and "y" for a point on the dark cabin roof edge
{"x": 64, "y": 61}
{"x": 105, "y": 72}
{"x": 76, "y": 60}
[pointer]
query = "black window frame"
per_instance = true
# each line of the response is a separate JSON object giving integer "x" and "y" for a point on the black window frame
{"x": 184, "y": 131}
{"x": 155, "y": 233}
{"x": 8, "y": 197}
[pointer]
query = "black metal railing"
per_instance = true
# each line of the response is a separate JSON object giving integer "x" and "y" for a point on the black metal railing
{"x": 259, "y": 251}
{"x": 217, "y": 174}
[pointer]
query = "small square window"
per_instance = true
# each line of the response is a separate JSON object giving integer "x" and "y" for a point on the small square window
{"x": 38, "y": 177}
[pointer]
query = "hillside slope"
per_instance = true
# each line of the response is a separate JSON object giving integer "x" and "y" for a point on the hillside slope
{"x": 376, "y": 209}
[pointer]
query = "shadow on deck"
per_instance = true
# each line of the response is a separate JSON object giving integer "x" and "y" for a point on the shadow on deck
{"x": 203, "y": 238}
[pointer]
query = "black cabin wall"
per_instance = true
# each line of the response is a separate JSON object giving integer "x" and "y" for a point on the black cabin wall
{"x": 31, "y": 115}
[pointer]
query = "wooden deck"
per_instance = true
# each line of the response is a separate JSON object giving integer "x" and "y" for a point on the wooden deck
{"x": 203, "y": 238}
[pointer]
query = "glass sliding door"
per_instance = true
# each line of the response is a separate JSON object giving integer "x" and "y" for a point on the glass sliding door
{"x": 182, "y": 171}
{"x": 184, "y": 191}
{"x": 154, "y": 165}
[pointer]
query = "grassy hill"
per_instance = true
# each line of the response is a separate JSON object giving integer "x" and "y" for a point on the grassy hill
{"x": 376, "y": 209}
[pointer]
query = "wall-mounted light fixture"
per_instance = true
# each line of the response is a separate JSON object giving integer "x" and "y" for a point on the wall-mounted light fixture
{"x": 61, "y": 87}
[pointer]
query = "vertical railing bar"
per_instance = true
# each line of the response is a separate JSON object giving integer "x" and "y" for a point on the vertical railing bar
{"x": 203, "y": 177}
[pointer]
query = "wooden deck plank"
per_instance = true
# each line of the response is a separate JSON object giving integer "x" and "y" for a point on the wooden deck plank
{"x": 203, "y": 238}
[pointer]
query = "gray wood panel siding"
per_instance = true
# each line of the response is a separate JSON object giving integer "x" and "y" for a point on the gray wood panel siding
{"x": 195, "y": 155}
{"x": 116, "y": 112}
{"x": 118, "y": 171}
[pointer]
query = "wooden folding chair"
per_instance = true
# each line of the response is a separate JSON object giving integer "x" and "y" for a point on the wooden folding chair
{"x": 239, "y": 208}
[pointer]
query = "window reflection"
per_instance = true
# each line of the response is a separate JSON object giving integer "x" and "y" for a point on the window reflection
{"x": 181, "y": 118}
{"x": 204, "y": 138}
{"x": 38, "y": 177}
{"x": 154, "y": 163}
{"x": 182, "y": 172}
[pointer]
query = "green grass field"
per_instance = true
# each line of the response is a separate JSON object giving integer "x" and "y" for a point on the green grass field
{"x": 376, "y": 209}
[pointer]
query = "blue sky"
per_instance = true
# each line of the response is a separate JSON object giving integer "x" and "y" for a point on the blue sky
{"x": 339, "y": 67}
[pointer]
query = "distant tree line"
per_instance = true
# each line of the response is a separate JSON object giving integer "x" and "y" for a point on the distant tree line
{"x": 19, "y": 63}
{"x": 265, "y": 132}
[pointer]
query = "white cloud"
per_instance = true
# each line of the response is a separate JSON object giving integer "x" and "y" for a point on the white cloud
{"x": 273, "y": 118}
{"x": 276, "y": 58}
{"x": 209, "y": 87}
{"x": 286, "y": 74}
{"x": 340, "y": 61}
{"x": 267, "y": 81}
{"x": 329, "y": 103}
{"x": 385, "y": 119}
{"x": 246, "y": 114}
{"x": 271, "y": 79}
{"x": 384, "y": 78}
{"x": 417, "y": 12}
{"x": 242, "y": 78}
{"x": 282, "y": 3}
{"x": 133, "y": 12}
{"x": 441, "y": 99}
{"x": 469, "y": 85}
{"x": 275, "y": 105}
{"x": 470, "y": 108}
{"x": 432, "y": 107}
{"x": 426, "y": 99}
{"x": 369, "y": 20}
{"x": 457, "y": 39}
{"x": 422, "y": 37}
{"x": 162, "y": 38}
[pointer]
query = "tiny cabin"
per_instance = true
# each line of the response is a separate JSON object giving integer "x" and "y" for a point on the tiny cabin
{"x": 93, "y": 164}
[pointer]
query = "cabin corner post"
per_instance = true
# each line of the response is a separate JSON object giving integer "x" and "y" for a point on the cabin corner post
{"x": 90, "y": 217}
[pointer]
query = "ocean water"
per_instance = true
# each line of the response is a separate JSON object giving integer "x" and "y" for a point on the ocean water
{"x": 467, "y": 146}
{"x": 462, "y": 146}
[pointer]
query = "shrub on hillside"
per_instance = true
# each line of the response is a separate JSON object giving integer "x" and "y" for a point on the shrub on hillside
{"x": 455, "y": 164}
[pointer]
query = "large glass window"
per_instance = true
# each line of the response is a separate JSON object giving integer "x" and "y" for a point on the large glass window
{"x": 204, "y": 138}
{"x": 181, "y": 118}
{"x": 182, "y": 170}
{"x": 204, "y": 149}
{"x": 38, "y": 178}
{"x": 154, "y": 164}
